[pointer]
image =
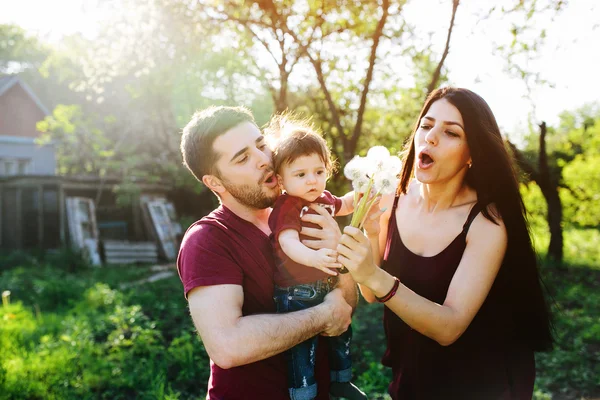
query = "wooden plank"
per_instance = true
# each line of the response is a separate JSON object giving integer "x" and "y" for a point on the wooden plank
{"x": 130, "y": 261}
{"x": 131, "y": 251}
{"x": 132, "y": 248}
{"x": 162, "y": 225}
{"x": 130, "y": 254}
{"x": 129, "y": 245}
{"x": 134, "y": 255}
{"x": 124, "y": 252}
{"x": 81, "y": 210}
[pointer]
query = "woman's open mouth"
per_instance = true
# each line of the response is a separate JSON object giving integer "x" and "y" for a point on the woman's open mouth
{"x": 425, "y": 160}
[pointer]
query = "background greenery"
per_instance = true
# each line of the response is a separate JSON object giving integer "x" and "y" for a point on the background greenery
{"x": 75, "y": 332}
{"x": 119, "y": 101}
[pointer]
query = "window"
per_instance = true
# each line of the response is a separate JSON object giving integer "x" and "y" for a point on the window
{"x": 15, "y": 166}
{"x": 9, "y": 167}
{"x": 23, "y": 167}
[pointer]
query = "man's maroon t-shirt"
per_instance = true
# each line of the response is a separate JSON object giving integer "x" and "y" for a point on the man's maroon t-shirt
{"x": 222, "y": 249}
{"x": 286, "y": 215}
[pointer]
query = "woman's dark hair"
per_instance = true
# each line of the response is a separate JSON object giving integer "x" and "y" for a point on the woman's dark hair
{"x": 493, "y": 177}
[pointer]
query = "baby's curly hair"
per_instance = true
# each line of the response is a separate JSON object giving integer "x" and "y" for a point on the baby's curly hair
{"x": 291, "y": 138}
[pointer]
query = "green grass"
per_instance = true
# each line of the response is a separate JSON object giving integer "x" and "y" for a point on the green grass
{"x": 72, "y": 332}
{"x": 572, "y": 369}
{"x": 79, "y": 335}
{"x": 581, "y": 246}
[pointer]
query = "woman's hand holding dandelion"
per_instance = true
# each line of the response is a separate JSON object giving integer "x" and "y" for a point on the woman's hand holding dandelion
{"x": 372, "y": 176}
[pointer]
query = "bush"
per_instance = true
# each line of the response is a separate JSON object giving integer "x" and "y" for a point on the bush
{"x": 65, "y": 259}
{"x": 80, "y": 336}
{"x": 573, "y": 367}
{"x": 90, "y": 342}
{"x": 17, "y": 259}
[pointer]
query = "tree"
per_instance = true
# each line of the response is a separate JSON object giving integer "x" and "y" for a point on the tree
{"x": 19, "y": 52}
{"x": 556, "y": 160}
{"x": 435, "y": 78}
{"x": 174, "y": 71}
{"x": 580, "y": 157}
{"x": 81, "y": 145}
{"x": 548, "y": 184}
{"x": 526, "y": 38}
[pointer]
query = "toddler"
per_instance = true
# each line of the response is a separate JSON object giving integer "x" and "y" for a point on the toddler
{"x": 302, "y": 162}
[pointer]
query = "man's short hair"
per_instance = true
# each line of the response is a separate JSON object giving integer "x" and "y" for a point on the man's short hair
{"x": 294, "y": 138}
{"x": 200, "y": 133}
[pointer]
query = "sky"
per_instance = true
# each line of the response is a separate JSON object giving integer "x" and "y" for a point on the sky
{"x": 569, "y": 60}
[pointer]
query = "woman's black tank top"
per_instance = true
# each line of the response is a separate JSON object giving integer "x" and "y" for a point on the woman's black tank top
{"x": 485, "y": 362}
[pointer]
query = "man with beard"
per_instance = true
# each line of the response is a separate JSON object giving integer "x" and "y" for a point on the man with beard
{"x": 227, "y": 266}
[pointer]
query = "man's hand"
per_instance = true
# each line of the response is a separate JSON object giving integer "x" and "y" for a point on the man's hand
{"x": 328, "y": 236}
{"x": 339, "y": 311}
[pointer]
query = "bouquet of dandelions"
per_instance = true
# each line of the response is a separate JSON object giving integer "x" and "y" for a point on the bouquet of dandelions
{"x": 371, "y": 176}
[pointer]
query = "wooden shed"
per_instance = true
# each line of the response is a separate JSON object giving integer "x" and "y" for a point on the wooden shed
{"x": 50, "y": 212}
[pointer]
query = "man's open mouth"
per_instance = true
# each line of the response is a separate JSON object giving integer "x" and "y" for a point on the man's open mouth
{"x": 269, "y": 179}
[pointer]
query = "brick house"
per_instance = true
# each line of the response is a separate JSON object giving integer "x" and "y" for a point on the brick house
{"x": 42, "y": 210}
{"x": 20, "y": 110}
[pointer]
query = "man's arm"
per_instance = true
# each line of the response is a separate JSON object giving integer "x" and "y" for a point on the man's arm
{"x": 349, "y": 289}
{"x": 231, "y": 339}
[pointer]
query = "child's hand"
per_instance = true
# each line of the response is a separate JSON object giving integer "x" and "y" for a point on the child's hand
{"x": 324, "y": 259}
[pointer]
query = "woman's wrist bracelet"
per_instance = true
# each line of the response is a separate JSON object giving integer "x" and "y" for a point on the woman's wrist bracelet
{"x": 391, "y": 293}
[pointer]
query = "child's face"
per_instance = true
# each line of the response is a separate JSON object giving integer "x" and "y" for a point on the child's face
{"x": 305, "y": 177}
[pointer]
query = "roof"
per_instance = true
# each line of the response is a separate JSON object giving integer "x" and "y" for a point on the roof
{"x": 8, "y": 81}
{"x": 5, "y": 81}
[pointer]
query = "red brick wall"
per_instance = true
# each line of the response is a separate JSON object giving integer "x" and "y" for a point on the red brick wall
{"x": 19, "y": 113}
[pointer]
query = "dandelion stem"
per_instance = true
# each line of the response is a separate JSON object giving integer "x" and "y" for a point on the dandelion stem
{"x": 359, "y": 211}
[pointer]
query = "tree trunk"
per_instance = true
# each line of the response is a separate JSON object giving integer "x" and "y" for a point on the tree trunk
{"x": 438, "y": 71}
{"x": 549, "y": 188}
{"x": 554, "y": 217}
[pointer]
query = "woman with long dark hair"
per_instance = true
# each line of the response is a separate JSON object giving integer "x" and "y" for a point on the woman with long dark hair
{"x": 452, "y": 259}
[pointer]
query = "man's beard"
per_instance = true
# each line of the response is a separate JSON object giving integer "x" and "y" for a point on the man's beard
{"x": 251, "y": 196}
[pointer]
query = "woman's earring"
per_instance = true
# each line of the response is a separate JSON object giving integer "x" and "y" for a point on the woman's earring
{"x": 470, "y": 164}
